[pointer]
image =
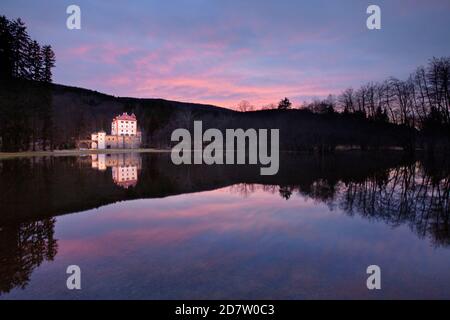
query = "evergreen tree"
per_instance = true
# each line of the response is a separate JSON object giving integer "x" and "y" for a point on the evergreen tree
{"x": 35, "y": 61}
{"x": 26, "y": 111}
{"x": 48, "y": 57}
{"x": 39, "y": 100}
{"x": 284, "y": 104}
{"x": 6, "y": 39}
{"x": 20, "y": 44}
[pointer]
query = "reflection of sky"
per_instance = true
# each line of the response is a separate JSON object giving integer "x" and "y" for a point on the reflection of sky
{"x": 220, "y": 245}
{"x": 224, "y": 51}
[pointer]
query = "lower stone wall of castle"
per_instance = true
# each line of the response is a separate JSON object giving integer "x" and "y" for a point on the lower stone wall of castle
{"x": 122, "y": 142}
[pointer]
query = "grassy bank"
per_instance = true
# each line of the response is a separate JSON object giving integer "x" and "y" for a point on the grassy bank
{"x": 73, "y": 152}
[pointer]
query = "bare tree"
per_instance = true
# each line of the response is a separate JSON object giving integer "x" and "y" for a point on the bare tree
{"x": 245, "y": 106}
{"x": 347, "y": 100}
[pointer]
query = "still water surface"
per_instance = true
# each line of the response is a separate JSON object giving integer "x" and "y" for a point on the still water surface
{"x": 142, "y": 228}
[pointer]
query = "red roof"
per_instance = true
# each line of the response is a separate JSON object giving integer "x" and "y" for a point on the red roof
{"x": 126, "y": 116}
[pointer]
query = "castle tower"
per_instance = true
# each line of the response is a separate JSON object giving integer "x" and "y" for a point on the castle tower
{"x": 101, "y": 144}
{"x": 124, "y": 125}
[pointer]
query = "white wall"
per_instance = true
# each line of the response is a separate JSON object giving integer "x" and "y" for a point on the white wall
{"x": 127, "y": 127}
{"x": 101, "y": 140}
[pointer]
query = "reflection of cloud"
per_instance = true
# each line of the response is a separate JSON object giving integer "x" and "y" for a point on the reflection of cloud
{"x": 178, "y": 219}
{"x": 283, "y": 249}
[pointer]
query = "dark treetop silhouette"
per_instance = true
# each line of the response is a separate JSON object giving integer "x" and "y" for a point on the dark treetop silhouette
{"x": 26, "y": 115}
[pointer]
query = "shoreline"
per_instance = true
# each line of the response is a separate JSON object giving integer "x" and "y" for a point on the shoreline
{"x": 75, "y": 152}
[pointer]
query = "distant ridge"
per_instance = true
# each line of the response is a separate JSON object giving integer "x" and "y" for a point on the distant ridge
{"x": 127, "y": 98}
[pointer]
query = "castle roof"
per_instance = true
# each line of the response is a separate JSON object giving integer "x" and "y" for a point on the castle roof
{"x": 126, "y": 116}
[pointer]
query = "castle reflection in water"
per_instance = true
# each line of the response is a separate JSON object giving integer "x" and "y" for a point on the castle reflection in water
{"x": 125, "y": 167}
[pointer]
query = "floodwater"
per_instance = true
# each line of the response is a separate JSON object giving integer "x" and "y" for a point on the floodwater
{"x": 140, "y": 227}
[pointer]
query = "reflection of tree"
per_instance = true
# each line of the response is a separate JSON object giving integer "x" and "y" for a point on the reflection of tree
{"x": 286, "y": 192}
{"x": 24, "y": 247}
{"x": 408, "y": 196}
{"x": 243, "y": 189}
{"x": 416, "y": 194}
{"x": 323, "y": 190}
{"x": 402, "y": 195}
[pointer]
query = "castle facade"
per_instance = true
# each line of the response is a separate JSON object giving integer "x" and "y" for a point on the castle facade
{"x": 124, "y": 134}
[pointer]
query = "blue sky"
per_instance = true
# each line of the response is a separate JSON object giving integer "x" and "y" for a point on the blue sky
{"x": 222, "y": 52}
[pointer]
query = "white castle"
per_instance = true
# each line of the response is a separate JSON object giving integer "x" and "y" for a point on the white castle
{"x": 124, "y": 134}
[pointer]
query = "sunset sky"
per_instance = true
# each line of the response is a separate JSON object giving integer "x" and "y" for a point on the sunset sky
{"x": 224, "y": 51}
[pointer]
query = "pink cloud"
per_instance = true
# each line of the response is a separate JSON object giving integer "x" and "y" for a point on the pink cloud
{"x": 102, "y": 53}
{"x": 212, "y": 71}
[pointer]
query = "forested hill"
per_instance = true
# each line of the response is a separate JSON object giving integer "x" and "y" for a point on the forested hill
{"x": 79, "y": 112}
{"x": 46, "y": 115}
{"x": 36, "y": 115}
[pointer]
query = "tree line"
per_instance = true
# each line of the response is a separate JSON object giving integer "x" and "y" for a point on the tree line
{"x": 421, "y": 102}
{"x": 25, "y": 94}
